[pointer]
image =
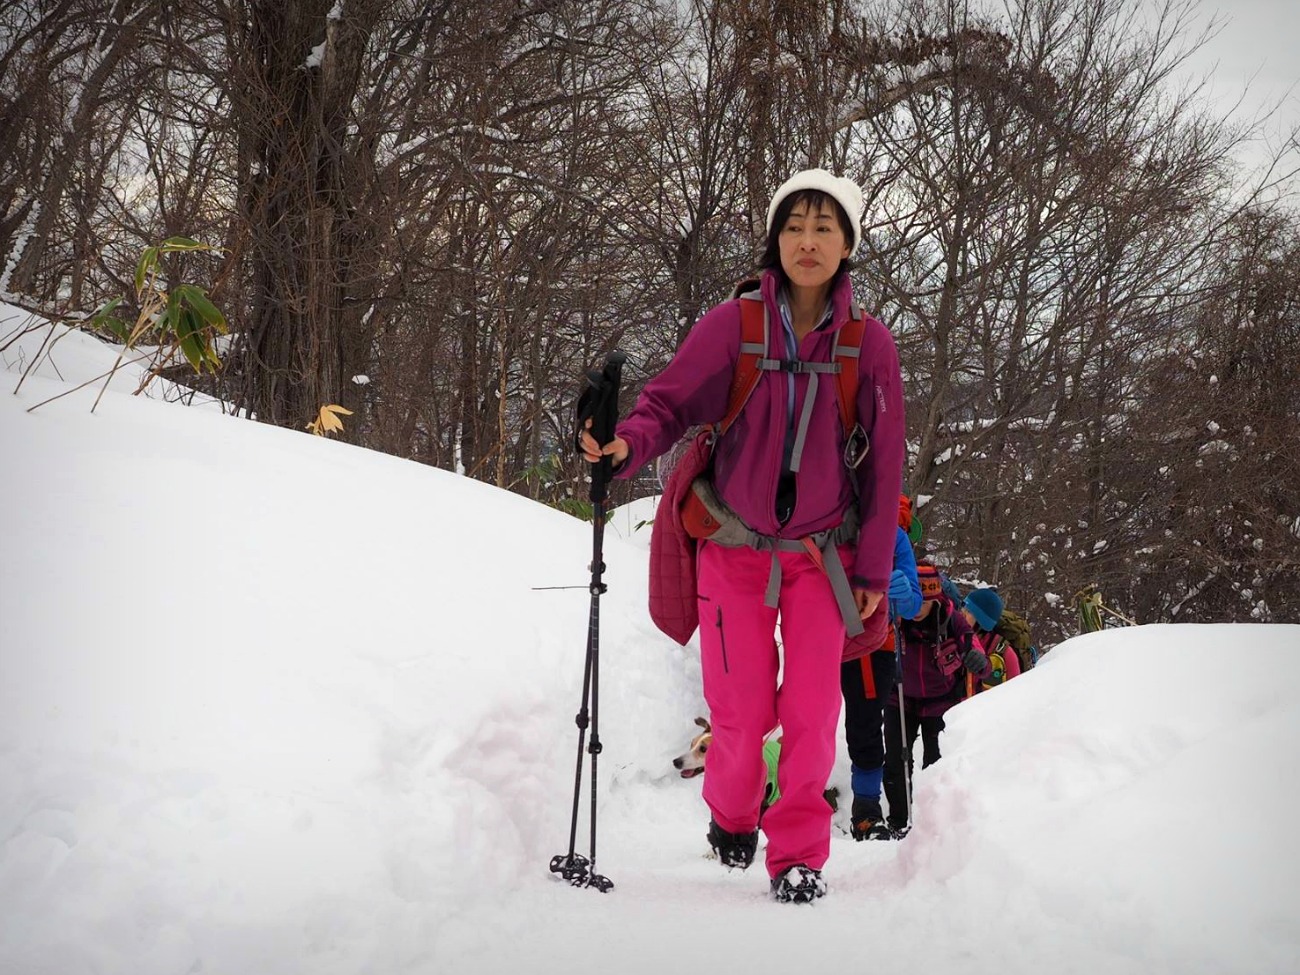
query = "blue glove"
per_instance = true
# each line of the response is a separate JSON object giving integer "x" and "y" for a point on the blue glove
{"x": 899, "y": 587}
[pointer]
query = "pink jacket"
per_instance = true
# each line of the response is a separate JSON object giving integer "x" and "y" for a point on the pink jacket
{"x": 996, "y": 644}
{"x": 693, "y": 389}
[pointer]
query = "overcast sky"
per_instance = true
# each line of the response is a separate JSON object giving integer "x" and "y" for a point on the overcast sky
{"x": 1257, "y": 45}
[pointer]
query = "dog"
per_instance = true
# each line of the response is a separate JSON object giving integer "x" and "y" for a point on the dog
{"x": 692, "y": 762}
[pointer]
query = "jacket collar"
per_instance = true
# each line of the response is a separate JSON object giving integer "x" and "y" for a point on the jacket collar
{"x": 841, "y": 296}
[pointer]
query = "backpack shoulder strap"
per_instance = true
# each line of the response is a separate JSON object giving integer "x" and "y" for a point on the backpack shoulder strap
{"x": 947, "y": 631}
{"x": 848, "y": 353}
{"x": 754, "y": 334}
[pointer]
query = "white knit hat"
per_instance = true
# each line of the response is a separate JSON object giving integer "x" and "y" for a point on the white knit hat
{"x": 843, "y": 191}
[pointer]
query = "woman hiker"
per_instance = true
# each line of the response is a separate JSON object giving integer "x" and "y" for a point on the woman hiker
{"x": 790, "y": 471}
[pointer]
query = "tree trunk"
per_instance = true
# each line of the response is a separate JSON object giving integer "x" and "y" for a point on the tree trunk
{"x": 301, "y": 69}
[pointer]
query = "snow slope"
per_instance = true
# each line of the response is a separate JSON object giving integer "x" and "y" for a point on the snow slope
{"x": 274, "y": 704}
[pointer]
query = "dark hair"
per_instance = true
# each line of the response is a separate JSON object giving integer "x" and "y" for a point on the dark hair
{"x": 815, "y": 199}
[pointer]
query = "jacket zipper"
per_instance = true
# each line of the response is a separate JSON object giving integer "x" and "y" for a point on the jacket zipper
{"x": 785, "y": 406}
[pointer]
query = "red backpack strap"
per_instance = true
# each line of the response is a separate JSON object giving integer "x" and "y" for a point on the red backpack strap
{"x": 754, "y": 329}
{"x": 754, "y": 337}
{"x": 848, "y": 352}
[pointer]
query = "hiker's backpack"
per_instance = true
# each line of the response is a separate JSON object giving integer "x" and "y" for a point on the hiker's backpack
{"x": 700, "y": 513}
{"x": 690, "y": 517}
{"x": 1014, "y": 629}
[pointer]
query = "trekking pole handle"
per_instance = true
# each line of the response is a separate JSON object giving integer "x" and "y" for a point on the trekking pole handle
{"x": 600, "y": 406}
{"x": 605, "y": 407}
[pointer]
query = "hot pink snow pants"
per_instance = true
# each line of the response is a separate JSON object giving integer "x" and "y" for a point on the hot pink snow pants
{"x": 740, "y": 662}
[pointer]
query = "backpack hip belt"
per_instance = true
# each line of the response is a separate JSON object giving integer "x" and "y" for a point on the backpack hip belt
{"x": 821, "y": 547}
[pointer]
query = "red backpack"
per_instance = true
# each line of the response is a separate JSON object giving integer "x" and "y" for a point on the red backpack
{"x": 694, "y": 513}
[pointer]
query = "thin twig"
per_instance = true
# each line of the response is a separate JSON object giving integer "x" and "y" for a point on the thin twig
{"x": 46, "y": 352}
{"x": 36, "y": 359}
{"x": 22, "y": 330}
{"x": 105, "y": 375}
{"x": 1119, "y": 616}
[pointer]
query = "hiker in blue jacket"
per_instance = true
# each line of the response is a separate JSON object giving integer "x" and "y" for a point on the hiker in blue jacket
{"x": 866, "y": 684}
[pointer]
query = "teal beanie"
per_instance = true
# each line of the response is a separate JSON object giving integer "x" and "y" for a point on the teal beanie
{"x": 986, "y": 606}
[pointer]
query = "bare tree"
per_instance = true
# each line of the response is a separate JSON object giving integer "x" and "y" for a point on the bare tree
{"x": 437, "y": 214}
{"x": 62, "y": 65}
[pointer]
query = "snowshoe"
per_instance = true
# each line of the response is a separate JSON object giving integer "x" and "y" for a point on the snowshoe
{"x": 898, "y": 832}
{"x": 733, "y": 849}
{"x": 798, "y": 885}
{"x": 868, "y": 822}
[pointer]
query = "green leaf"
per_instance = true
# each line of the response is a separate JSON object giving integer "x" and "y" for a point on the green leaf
{"x": 209, "y": 312}
{"x": 169, "y": 320}
{"x": 119, "y": 329}
{"x": 182, "y": 244}
{"x": 193, "y": 350}
{"x": 197, "y": 299}
{"x": 195, "y": 342}
{"x": 106, "y": 308}
{"x": 103, "y": 318}
{"x": 185, "y": 324}
{"x": 148, "y": 259}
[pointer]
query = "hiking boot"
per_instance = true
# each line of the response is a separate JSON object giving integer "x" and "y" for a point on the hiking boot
{"x": 868, "y": 822}
{"x": 733, "y": 849}
{"x": 798, "y": 885}
{"x": 900, "y": 830}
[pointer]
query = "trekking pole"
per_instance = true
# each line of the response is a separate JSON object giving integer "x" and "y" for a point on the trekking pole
{"x": 902, "y": 723}
{"x": 599, "y": 404}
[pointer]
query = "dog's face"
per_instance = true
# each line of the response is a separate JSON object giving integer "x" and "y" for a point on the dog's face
{"x": 691, "y": 762}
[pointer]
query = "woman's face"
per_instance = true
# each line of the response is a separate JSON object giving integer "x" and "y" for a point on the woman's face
{"x": 812, "y": 245}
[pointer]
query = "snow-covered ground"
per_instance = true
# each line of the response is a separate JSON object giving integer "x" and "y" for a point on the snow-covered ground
{"x": 273, "y": 704}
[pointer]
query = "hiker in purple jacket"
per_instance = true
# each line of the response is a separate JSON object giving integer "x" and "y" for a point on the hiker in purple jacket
{"x": 936, "y": 644}
{"x": 798, "y": 481}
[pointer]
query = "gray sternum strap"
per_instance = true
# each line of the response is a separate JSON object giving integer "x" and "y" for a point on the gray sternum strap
{"x": 812, "y": 369}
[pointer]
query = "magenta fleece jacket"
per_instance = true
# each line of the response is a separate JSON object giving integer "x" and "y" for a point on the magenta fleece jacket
{"x": 693, "y": 390}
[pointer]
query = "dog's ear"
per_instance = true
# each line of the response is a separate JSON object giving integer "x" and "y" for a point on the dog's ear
{"x": 702, "y": 723}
